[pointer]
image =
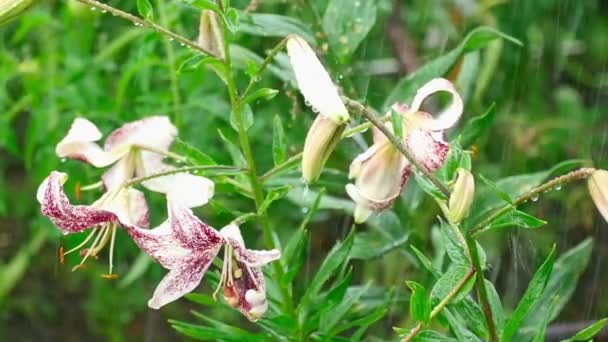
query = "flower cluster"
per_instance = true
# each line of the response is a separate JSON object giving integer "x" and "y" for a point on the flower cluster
{"x": 183, "y": 244}
{"x": 381, "y": 172}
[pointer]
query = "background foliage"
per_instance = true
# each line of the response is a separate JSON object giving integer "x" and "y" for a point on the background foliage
{"x": 62, "y": 60}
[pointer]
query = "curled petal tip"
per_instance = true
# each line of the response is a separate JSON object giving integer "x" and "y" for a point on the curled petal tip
{"x": 450, "y": 115}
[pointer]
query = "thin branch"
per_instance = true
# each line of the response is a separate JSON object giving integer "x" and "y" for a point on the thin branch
{"x": 397, "y": 143}
{"x": 146, "y": 23}
{"x": 142, "y": 179}
{"x": 271, "y": 55}
{"x": 442, "y": 304}
{"x": 535, "y": 192}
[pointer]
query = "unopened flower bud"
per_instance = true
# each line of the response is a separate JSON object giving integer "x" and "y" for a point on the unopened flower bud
{"x": 462, "y": 197}
{"x": 314, "y": 82}
{"x": 598, "y": 188}
{"x": 10, "y": 9}
{"x": 322, "y": 138}
{"x": 210, "y": 34}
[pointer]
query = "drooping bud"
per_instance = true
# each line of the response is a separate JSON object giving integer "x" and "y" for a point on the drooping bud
{"x": 598, "y": 188}
{"x": 322, "y": 94}
{"x": 210, "y": 33}
{"x": 462, "y": 197}
{"x": 10, "y": 9}
{"x": 322, "y": 138}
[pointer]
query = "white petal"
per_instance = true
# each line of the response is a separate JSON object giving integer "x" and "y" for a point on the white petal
{"x": 249, "y": 257}
{"x": 186, "y": 189}
{"x": 314, "y": 82}
{"x": 120, "y": 172}
{"x": 450, "y": 115}
{"x": 80, "y": 144}
{"x": 154, "y": 131}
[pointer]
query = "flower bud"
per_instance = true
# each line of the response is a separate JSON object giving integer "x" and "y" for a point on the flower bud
{"x": 598, "y": 188}
{"x": 10, "y": 9}
{"x": 210, "y": 34}
{"x": 322, "y": 138}
{"x": 314, "y": 82}
{"x": 462, "y": 197}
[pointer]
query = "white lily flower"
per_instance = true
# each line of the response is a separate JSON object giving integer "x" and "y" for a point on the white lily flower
{"x": 382, "y": 171}
{"x": 136, "y": 149}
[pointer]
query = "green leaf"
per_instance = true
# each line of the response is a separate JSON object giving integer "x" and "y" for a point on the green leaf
{"x": 429, "y": 187}
{"x": 386, "y": 234}
{"x": 519, "y": 219}
{"x": 196, "y": 61}
{"x": 476, "y": 39}
{"x": 347, "y": 22}
{"x": 330, "y": 318}
{"x": 531, "y": 297}
{"x": 453, "y": 245}
{"x": 246, "y": 117}
{"x": 562, "y": 284}
{"x": 203, "y": 4}
{"x": 590, "y": 331}
{"x": 397, "y": 123}
{"x": 497, "y": 191}
{"x": 334, "y": 259}
{"x": 475, "y": 127}
{"x": 420, "y": 302}
{"x": 473, "y": 315}
{"x": 432, "y": 336}
{"x": 273, "y": 25}
{"x": 496, "y": 306}
{"x": 144, "y": 7}
{"x": 426, "y": 263}
{"x": 274, "y": 194}
{"x": 194, "y": 156}
{"x": 262, "y": 93}
{"x": 279, "y": 142}
{"x": 458, "y": 326}
{"x": 448, "y": 281}
{"x": 232, "y": 19}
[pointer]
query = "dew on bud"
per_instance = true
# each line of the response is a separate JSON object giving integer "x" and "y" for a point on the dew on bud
{"x": 534, "y": 198}
{"x": 558, "y": 188}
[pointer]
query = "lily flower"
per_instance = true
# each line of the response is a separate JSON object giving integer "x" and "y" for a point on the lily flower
{"x": 136, "y": 149}
{"x": 115, "y": 207}
{"x": 382, "y": 171}
{"x": 322, "y": 94}
{"x": 186, "y": 246}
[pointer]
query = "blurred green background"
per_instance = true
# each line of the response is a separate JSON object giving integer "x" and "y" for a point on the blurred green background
{"x": 61, "y": 60}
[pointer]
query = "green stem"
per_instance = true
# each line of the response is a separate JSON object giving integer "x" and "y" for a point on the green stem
{"x": 442, "y": 304}
{"x": 145, "y": 23}
{"x": 256, "y": 186}
{"x": 535, "y": 192}
{"x": 480, "y": 285}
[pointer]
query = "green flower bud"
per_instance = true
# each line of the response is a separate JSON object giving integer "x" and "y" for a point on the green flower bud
{"x": 462, "y": 197}
{"x": 598, "y": 188}
{"x": 10, "y": 9}
{"x": 322, "y": 138}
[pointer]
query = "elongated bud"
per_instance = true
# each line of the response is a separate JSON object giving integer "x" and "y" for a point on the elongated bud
{"x": 322, "y": 138}
{"x": 210, "y": 34}
{"x": 462, "y": 197}
{"x": 314, "y": 82}
{"x": 9, "y": 9}
{"x": 598, "y": 188}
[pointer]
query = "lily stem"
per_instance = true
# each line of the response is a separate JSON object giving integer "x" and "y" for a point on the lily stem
{"x": 442, "y": 304}
{"x": 397, "y": 143}
{"x": 535, "y": 192}
{"x": 480, "y": 285}
{"x": 146, "y": 23}
{"x": 256, "y": 186}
